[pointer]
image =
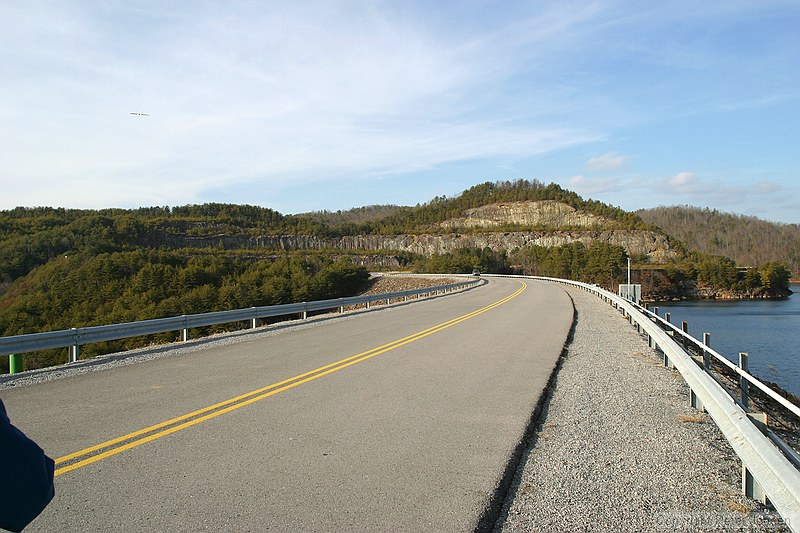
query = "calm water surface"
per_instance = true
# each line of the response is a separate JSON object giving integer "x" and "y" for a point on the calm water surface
{"x": 768, "y": 330}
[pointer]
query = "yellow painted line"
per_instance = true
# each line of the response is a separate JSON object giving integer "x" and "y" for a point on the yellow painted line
{"x": 151, "y": 433}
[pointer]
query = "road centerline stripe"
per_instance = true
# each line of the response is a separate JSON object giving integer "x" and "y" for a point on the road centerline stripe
{"x": 117, "y": 445}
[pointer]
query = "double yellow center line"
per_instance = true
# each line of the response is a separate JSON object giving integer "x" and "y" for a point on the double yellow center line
{"x": 106, "y": 449}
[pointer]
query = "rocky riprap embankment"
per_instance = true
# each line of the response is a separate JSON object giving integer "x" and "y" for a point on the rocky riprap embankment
{"x": 378, "y": 284}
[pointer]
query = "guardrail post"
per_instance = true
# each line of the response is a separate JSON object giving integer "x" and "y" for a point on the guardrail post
{"x": 706, "y": 355}
{"x": 667, "y": 317}
{"x": 74, "y": 353}
{"x": 184, "y": 331}
{"x": 743, "y": 384}
{"x": 14, "y": 363}
{"x": 667, "y": 362}
{"x": 694, "y": 401}
{"x": 305, "y": 311}
{"x": 685, "y": 330}
{"x": 750, "y": 486}
{"x": 254, "y": 323}
{"x": 74, "y": 350}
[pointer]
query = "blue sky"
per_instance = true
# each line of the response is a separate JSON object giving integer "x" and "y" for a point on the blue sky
{"x": 306, "y": 105}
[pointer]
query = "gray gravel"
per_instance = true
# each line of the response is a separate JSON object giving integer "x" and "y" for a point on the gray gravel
{"x": 618, "y": 448}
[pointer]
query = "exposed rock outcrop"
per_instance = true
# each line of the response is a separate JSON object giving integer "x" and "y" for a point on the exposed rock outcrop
{"x": 545, "y": 213}
{"x": 648, "y": 243}
{"x": 569, "y": 226}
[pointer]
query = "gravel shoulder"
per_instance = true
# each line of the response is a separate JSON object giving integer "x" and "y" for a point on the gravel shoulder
{"x": 617, "y": 448}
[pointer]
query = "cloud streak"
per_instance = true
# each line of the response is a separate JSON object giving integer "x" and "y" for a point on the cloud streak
{"x": 281, "y": 93}
{"x": 606, "y": 162}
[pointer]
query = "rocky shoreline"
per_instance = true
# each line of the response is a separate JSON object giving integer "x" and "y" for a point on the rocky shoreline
{"x": 694, "y": 293}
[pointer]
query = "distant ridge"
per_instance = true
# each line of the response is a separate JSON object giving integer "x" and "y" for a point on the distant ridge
{"x": 747, "y": 240}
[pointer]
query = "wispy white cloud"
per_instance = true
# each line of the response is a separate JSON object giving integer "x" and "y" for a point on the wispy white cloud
{"x": 593, "y": 186}
{"x": 682, "y": 180}
{"x": 606, "y": 162}
{"x": 253, "y": 94}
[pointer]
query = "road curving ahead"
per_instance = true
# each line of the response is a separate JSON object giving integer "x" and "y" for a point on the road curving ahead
{"x": 403, "y": 418}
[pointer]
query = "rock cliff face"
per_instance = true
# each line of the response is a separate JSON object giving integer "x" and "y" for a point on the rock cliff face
{"x": 546, "y": 213}
{"x": 648, "y": 243}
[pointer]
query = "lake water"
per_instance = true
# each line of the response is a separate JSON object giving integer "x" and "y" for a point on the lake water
{"x": 769, "y": 330}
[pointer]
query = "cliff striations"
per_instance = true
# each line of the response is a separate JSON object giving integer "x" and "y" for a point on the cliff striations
{"x": 563, "y": 225}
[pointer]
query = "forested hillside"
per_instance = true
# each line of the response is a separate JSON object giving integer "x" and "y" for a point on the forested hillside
{"x": 30, "y": 237}
{"x": 63, "y": 268}
{"x": 83, "y": 289}
{"x": 747, "y": 240}
{"x": 355, "y": 216}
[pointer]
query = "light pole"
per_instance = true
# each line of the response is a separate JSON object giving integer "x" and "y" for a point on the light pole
{"x": 629, "y": 271}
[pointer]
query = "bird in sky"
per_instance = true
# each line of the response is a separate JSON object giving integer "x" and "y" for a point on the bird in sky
{"x": 140, "y": 114}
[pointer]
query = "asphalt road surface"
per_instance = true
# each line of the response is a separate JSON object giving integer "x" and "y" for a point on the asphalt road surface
{"x": 400, "y": 419}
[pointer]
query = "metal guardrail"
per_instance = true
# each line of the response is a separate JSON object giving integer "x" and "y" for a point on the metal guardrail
{"x": 765, "y": 466}
{"x": 742, "y": 373}
{"x": 76, "y": 337}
